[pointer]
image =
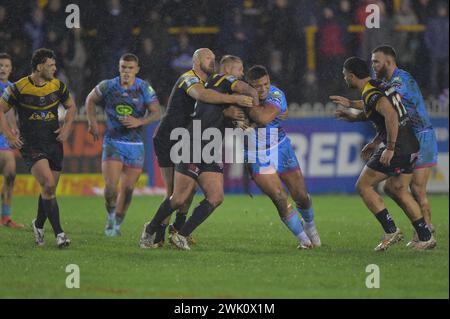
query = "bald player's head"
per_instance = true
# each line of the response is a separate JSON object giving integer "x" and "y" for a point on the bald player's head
{"x": 205, "y": 60}
{"x": 230, "y": 64}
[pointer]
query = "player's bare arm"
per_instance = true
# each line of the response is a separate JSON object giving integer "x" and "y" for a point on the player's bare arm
{"x": 153, "y": 114}
{"x": 264, "y": 114}
{"x": 349, "y": 116}
{"x": 200, "y": 93}
{"x": 345, "y": 102}
{"x": 13, "y": 139}
{"x": 385, "y": 108}
{"x": 92, "y": 100}
{"x": 369, "y": 148}
{"x": 71, "y": 111}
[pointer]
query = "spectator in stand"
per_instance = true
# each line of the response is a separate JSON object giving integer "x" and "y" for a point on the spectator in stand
{"x": 236, "y": 37}
{"x": 406, "y": 42}
{"x": 181, "y": 53}
{"x": 114, "y": 34}
{"x": 436, "y": 39}
{"x": 34, "y": 29}
{"x": 154, "y": 65}
{"x": 332, "y": 51}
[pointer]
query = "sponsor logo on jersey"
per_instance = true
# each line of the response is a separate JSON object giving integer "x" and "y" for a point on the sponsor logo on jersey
{"x": 124, "y": 110}
{"x": 42, "y": 116}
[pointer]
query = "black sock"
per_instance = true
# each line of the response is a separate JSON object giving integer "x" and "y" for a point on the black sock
{"x": 164, "y": 211}
{"x": 50, "y": 206}
{"x": 160, "y": 233}
{"x": 180, "y": 220}
{"x": 422, "y": 229}
{"x": 199, "y": 215}
{"x": 41, "y": 215}
{"x": 386, "y": 221}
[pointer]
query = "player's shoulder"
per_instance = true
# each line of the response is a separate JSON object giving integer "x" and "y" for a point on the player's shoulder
{"x": 21, "y": 83}
{"x": 276, "y": 94}
{"x": 56, "y": 84}
{"x": 189, "y": 75}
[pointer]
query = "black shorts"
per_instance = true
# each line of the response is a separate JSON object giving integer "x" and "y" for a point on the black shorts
{"x": 400, "y": 164}
{"x": 53, "y": 152}
{"x": 194, "y": 170}
{"x": 162, "y": 151}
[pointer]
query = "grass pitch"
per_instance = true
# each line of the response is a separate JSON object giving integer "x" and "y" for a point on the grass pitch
{"x": 244, "y": 251}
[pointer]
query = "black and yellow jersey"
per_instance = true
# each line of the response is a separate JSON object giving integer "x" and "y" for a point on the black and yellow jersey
{"x": 373, "y": 91}
{"x": 180, "y": 105}
{"x": 211, "y": 115}
{"x": 37, "y": 108}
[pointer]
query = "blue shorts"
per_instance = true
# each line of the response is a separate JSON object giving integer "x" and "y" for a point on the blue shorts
{"x": 280, "y": 159}
{"x": 130, "y": 154}
{"x": 4, "y": 146}
{"x": 428, "y": 154}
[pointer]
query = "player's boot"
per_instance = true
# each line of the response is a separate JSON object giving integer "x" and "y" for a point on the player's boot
{"x": 8, "y": 222}
{"x": 147, "y": 241}
{"x": 38, "y": 234}
{"x": 415, "y": 237}
{"x": 116, "y": 231}
{"x": 305, "y": 245}
{"x": 389, "y": 239}
{"x": 172, "y": 230}
{"x": 110, "y": 227}
{"x": 313, "y": 235}
{"x": 423, "y": 245}
{"x": 180, "y": 241}
{"x": 62, "y": 240}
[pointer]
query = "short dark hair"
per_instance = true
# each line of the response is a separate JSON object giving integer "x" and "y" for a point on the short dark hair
{"x": 358, "y": 67}
{"x": 40, "y": 56}
{"x": 129, "y": 57}
{"x": 229, "y": 58}
{"x": 256, "y": 72}
{"x": 4, "y": 55}
{"x": 387, "y": 50}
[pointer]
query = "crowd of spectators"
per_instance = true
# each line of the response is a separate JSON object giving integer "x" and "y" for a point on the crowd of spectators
{"x": 268, "y": 32}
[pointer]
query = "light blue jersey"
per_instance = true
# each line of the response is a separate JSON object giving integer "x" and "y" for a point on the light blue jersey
{"x": 272, "y": 134}
{"x": 413, "y": 100}
{"x": 120, "y": 102}
{"x": 3, "y": 142}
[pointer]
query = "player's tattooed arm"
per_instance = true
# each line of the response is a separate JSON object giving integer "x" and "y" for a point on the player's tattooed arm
{"x": 244, "y": 88}
{"x": 200, "y": 93}
{"x": 13, "y": 139}
{"x": 153, "y": 114}
{"x": 385, "y": 108}
{"x": 347, "y": 115}
{"x": 355, "y": 104}
{"x": 71, "y": 111}
{"x": 264, "y": 114}
{"x": 92, "y": 100}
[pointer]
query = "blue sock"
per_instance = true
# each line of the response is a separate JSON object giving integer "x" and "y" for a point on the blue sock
{"x": 307, "y": 214}
{"x": 6, "y": 210}
{"x": 294, "y": 223}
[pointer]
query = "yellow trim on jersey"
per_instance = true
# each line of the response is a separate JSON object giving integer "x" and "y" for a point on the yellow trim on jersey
{"x": 25, "y": 86}
{"x": 220, "y": 81}
{"x": 40, "y": 108}
{"x": 187, "y": 91}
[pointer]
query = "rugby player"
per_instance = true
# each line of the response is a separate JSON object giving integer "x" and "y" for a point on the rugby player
{"x": 189, "y": 88}
{"x": 7, "y": 159}
{"x": 383, "y": 107}
{"x": 272, "y": 161}
{"x": 384, "y": 64}
{"x": 36, "y": 99}
{"x": 130, "y": 103}
{"x": 204, "y": 173}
